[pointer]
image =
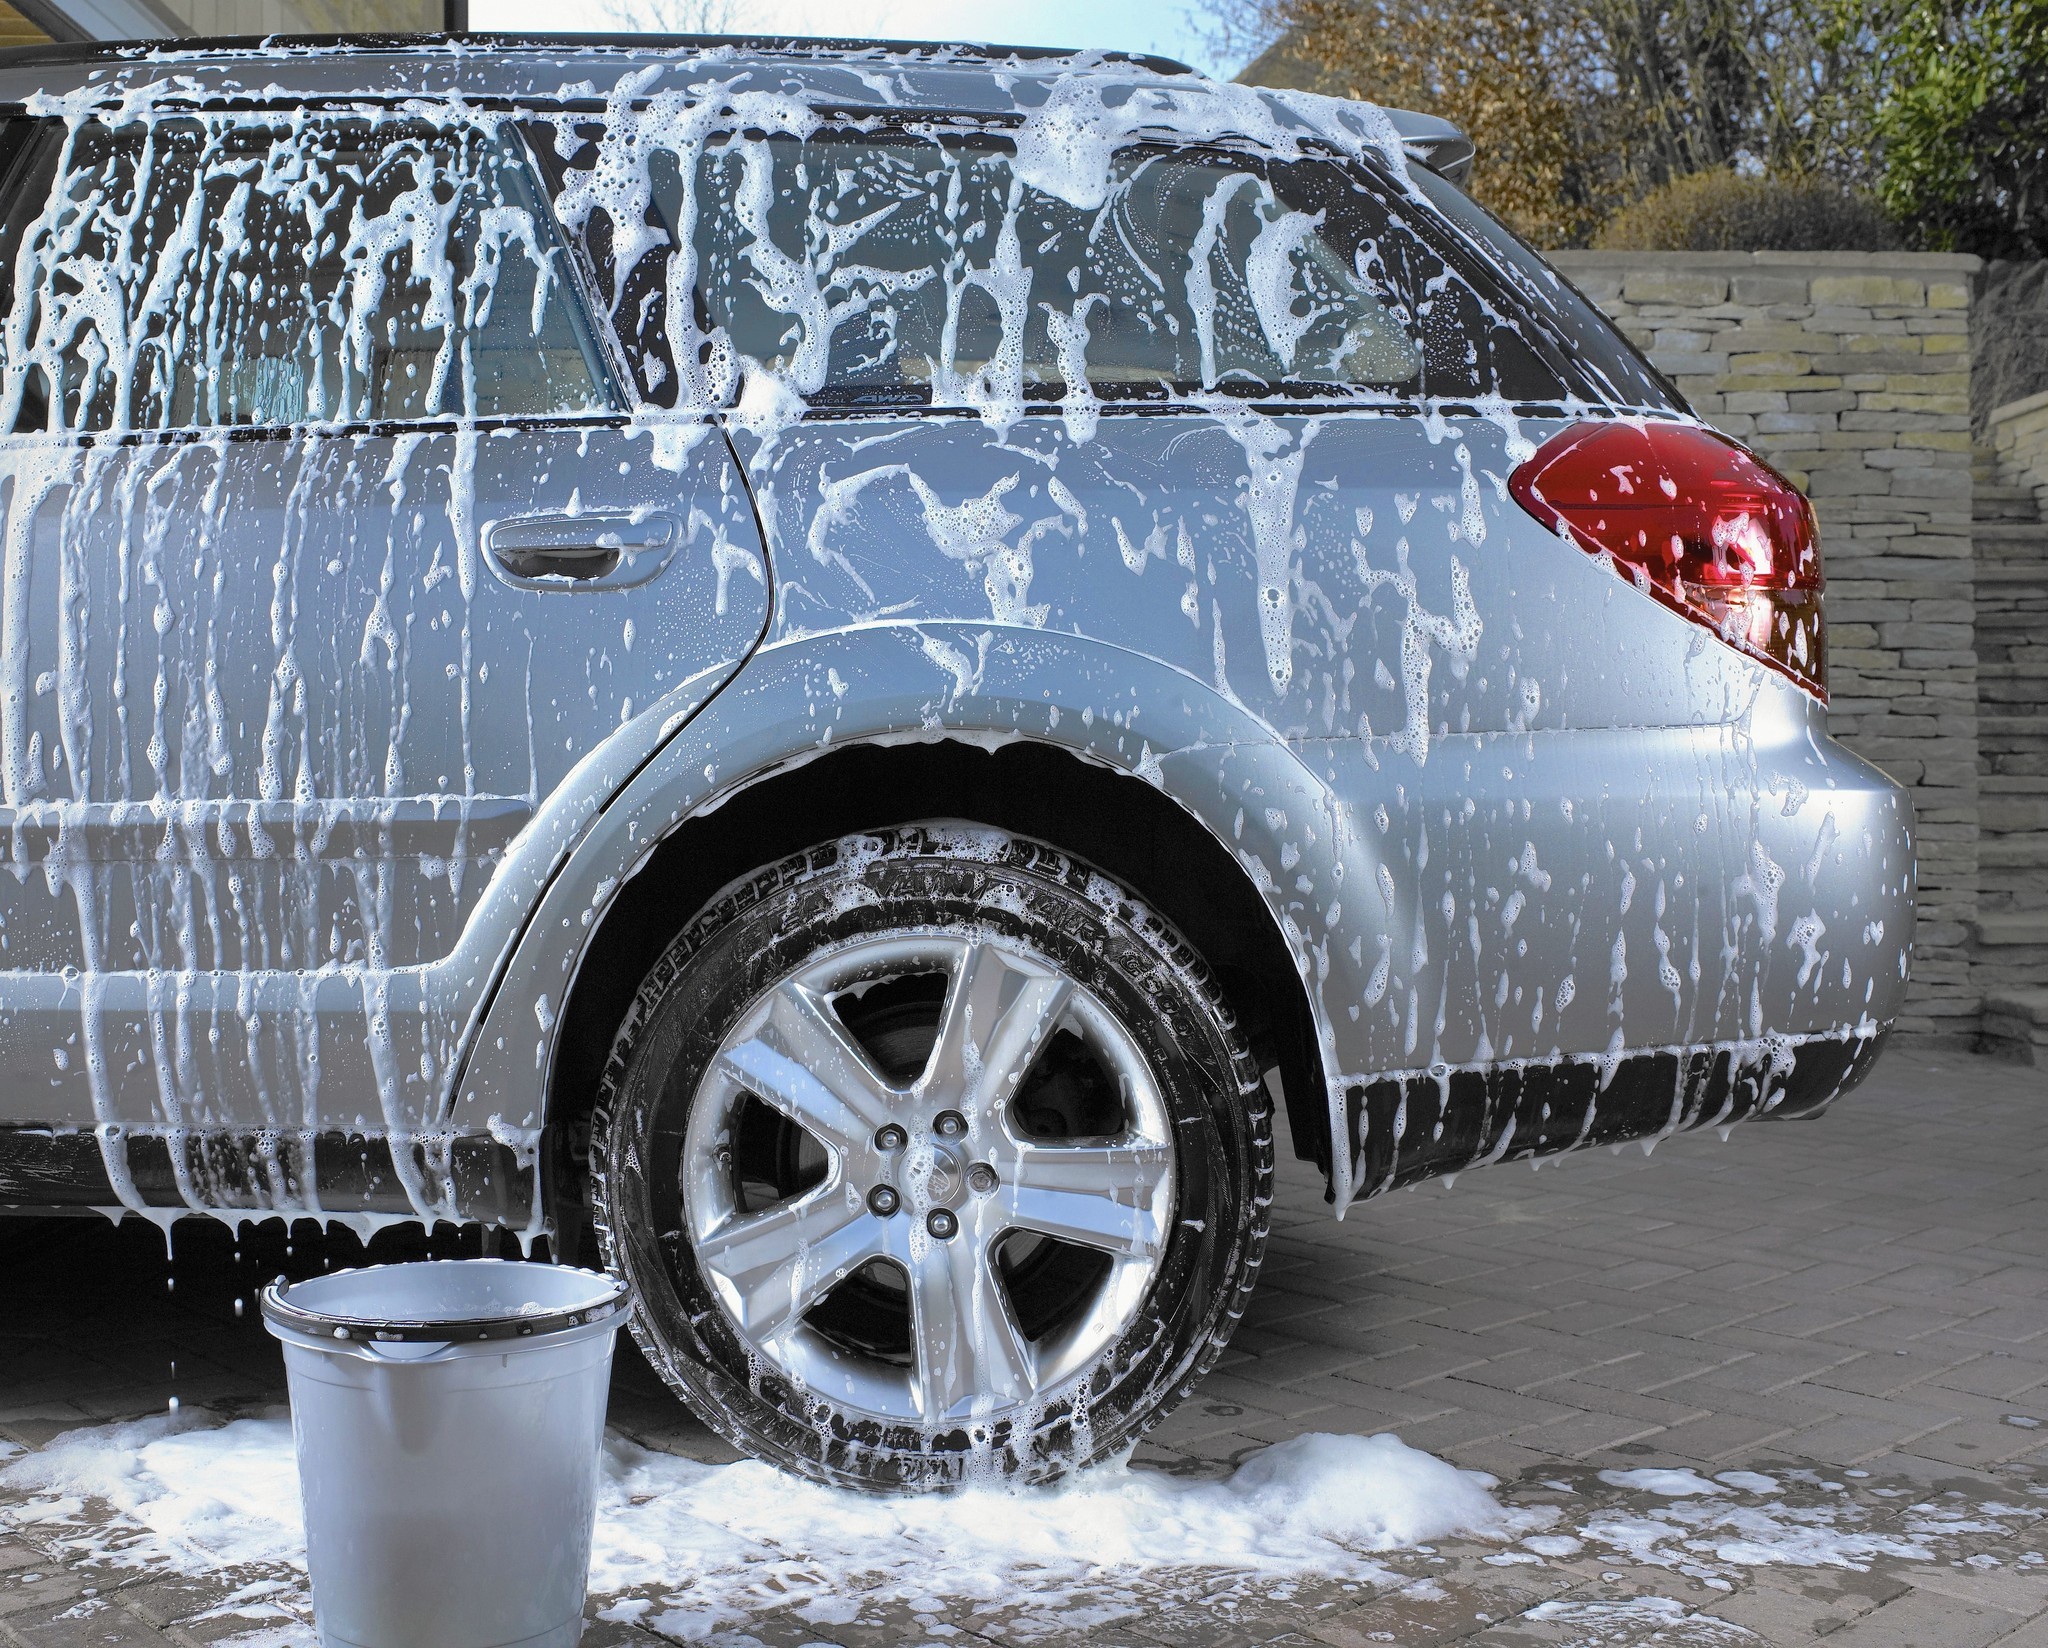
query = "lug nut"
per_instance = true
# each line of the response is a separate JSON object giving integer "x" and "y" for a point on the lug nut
{"x": 883, "y": 1201}
{"x": 949, "y": 1124}
{"x": 981, "y": 1178}
{"x": 941, "y": 1224}
{"x": 891, "y": 1137}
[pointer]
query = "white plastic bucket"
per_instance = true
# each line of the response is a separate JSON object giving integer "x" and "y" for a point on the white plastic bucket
{"x": 448, "y": 1416}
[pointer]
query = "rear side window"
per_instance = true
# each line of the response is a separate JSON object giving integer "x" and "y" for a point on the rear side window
{"x": 857, "y": 268}
{"x": 952, "y": 276}
{"x": 236, "y": 270}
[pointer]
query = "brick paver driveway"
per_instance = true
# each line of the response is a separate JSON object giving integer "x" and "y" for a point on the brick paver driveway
{"x": 1853, "y": 1306}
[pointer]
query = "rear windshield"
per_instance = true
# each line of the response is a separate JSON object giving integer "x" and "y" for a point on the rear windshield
{"x": 1618, "y": 371}
{"x": 865, "y": 269}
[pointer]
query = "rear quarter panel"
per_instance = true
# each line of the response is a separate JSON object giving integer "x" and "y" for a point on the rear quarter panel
{"x": 1505, "y": 809}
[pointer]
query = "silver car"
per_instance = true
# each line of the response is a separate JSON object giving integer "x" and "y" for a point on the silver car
{"x": 862, "y": 670}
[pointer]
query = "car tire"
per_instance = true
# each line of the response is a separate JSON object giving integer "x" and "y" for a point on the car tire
{"x": 931, "y": 1155}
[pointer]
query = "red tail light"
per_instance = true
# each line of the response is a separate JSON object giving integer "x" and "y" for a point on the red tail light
{"x": 1697, "y": 522}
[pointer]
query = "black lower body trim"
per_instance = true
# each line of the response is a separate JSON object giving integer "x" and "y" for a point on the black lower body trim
{"x": 1423, "y": 1124}
{"x": 263, "y": 1175}
{"x": 1404, "y": 1129}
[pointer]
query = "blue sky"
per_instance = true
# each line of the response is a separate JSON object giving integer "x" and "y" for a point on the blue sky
{"x": 1130, "y": 25}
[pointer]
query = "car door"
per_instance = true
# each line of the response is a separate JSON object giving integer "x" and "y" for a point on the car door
{"x": 327, "y": 558}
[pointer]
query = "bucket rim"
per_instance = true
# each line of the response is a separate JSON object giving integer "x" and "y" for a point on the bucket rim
{"x": 280, "y": 1311}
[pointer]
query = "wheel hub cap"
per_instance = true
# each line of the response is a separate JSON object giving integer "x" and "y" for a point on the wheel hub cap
{"x": 944, "y": 1179}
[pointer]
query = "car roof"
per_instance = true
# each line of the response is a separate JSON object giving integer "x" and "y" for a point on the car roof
{"x": 283, "y": 68}
{"x": 585, "y": 69}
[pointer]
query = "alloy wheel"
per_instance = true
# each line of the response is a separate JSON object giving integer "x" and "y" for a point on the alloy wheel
{"x": 930, "y": 1174}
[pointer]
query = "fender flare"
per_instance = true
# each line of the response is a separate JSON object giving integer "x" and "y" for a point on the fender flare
{"x": 796, "y": 700}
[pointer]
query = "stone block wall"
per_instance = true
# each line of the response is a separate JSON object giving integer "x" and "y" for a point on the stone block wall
{"x": 2018, "y": 435}
{"x": 1849, "y": 371}
{"x": 2012, "y": 725}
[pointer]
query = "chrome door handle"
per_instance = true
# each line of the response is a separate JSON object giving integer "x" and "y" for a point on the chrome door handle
{"x": 594, "y": 549}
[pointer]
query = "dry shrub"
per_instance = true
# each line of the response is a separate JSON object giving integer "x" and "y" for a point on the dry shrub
{"x": 1720, "y": 211}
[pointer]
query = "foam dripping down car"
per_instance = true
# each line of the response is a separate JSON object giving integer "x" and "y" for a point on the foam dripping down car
{"x": 852, "y": 679}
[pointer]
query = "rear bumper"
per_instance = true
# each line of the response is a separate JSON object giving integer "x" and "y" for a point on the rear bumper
{"x": 1582, "y": 937}
{"x": 1511, "y": 1112}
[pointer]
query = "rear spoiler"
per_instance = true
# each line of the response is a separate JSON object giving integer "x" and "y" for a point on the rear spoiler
{"x": 1434, "y": 142}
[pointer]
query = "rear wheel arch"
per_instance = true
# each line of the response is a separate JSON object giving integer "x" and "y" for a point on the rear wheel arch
{"x": 1122, "y": 825}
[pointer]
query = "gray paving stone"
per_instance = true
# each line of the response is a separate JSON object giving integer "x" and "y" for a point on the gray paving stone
{"x": 1659, "y": 1372}
{"x": 1722, "y": 1438}
{"x": 611, "y": 1634}
{"x": 1876, "y": 1374}
{"x": 1582, "y": 1435}
{"x": 45, "y": 1588}
{"x": 1243, "y": 1615}
{"x": 1737, "y": 1306}
{"x": 1796, "y": 1607}
{"x": 104, "y": 1626}
{"x": 2024, "y": 1593}
{"x": 1453, "y": 1607}
{"x": 1920, "y": 1618}
{"x": 1982, "y": 1442}
{"x": 1622, "y": 1404}
{"x": 1998, "y": 1374}
{"x": 169, "y": 1602}
{"x": 1848, "y": 1441}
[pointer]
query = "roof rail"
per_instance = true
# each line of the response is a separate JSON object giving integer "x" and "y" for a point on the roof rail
{"x": 766, "y": 45}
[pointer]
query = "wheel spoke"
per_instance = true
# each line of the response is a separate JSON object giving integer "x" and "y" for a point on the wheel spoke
{"x": 803, "y": 1063}
{"x": 966, "y": 1340}
{"x": 1112, "y": 1197}
{"x": 773, "y": 1266}
{"x": 999, "y": 1014}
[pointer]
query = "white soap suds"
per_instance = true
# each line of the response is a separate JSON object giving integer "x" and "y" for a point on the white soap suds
{"x": 1667, "y": 1484}
{"x": 1706, "y": 1529}
{"x": 1596, "y": 1621}
{"x": 191, "y": 1495}
{"x": 692, "y": 1549}
{"x": 188, "y": 1494}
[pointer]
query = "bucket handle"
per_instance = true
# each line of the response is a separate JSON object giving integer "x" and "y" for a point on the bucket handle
{"x": 282, "y": 1313}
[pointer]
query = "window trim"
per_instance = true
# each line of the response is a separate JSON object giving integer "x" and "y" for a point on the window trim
{"x": 595, "y": 340}
{"x": 1510, "y": 287}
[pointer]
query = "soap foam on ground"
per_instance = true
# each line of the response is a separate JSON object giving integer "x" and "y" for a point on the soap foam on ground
{"x": 190, "y": 1494}
{"x": 693, "y": 1549}
{"x": 1798, "y": 1519}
